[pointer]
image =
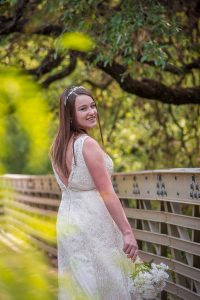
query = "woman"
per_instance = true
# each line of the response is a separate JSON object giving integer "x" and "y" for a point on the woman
{"x": 96, "y": 245}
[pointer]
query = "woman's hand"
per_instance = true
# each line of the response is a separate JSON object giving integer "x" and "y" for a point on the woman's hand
{"x": 130, "y": 246}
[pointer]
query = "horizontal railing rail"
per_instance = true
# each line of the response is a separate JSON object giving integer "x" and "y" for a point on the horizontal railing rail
{"x": 162, "y": 207}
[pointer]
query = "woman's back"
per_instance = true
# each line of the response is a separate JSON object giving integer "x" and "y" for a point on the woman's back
{"x": 69, "y": 159}
{"x": 79, "y": 177}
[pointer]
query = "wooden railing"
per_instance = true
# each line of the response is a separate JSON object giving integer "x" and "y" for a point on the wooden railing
{"x": 162, "y": 206}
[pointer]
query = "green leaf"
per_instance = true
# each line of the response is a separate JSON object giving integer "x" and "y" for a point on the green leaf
{"x": 76, "y": 41}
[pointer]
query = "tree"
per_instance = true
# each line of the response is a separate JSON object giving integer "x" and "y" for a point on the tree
{"x": 150, "y": 48}
{"x": 143, "y": 58}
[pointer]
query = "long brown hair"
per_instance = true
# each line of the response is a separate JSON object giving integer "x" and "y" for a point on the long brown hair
{"x": 68, "y": 126}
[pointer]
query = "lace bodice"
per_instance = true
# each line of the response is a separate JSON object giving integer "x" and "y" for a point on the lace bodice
{"x": 80, "y": 178}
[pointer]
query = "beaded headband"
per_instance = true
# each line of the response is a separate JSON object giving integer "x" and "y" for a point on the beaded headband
{"x": 71, "y": 92}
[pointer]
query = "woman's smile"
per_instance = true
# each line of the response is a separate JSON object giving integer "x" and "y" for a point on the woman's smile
{"x": 91, "y": 119}
{"x": 86, "y": 112}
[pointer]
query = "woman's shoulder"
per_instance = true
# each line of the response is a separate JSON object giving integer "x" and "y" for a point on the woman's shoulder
{"x": 91, "y": 146}
{"x": 83, "y": 136}
{"x": 87, "y": 142}
{"x": 80, "y": 138}
{"x": 90, "y": 142}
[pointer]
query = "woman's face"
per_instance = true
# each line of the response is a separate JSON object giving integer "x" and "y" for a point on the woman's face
{"x": 86, "y": 112}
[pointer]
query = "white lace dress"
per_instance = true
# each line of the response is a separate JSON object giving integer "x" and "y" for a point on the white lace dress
{"x": 91, "y": 262}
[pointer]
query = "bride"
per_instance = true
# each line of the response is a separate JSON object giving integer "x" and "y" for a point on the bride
{"x": 96, "y": 245}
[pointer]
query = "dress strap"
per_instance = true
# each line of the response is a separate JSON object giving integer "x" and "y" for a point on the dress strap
{"x": 78, "y": 147}
{"x": 78, "y": 144}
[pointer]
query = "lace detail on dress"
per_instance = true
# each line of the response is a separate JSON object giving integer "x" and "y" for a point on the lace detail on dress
{"x": 80, "y": 176}
{"x": 90, "y": 256}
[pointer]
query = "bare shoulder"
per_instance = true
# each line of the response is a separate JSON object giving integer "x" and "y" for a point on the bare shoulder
{"x": 95, "y": 161}
{"x": 91, "y": 147}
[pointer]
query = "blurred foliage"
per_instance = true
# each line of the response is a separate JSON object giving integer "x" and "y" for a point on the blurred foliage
{"x": 26, "y": 275}
{"x": 26, "y": 272}
{"x": 142, "y": 135}
{"x": 75, "y": 41}
{"x": 24, "y": 123}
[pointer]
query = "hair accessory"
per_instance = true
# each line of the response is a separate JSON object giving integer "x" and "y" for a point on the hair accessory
{"x": 71, "y": 92}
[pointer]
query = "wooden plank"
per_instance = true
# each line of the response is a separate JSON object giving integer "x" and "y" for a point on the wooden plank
{"x": 176, "y": 266}
{"x": 31, "y": 231}
{"x": 168, "y": 218}
{"x": 28, "y": 208}
{"x": 31, "y": 220}
{"x": 167, "y": 171}
{"x": 161, "y": 239}
{"x": 53, "y": 191}
{"x": 42, "y": 245}
{"x": 6, "y": 241}
{"x": 35, "y": 199}
{"x": 30, "y": 225}
{"x": 181, "y": 291}
{"x": 30, "y": 183}
{"x": 174, "y": 187}
{"x": 19, "y": 244}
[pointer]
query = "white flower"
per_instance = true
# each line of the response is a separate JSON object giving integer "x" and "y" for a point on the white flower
{"x": 163, "y": 266}
{"x": 149, "y": 281}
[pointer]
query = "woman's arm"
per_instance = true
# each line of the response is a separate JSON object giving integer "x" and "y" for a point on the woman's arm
{"x": 94, "y": 159}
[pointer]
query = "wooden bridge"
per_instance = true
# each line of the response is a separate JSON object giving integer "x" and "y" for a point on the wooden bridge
{"x": 162, "y": 206}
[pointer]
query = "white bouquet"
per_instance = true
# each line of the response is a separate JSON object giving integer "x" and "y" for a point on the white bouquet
{"x": 147, "y": 280}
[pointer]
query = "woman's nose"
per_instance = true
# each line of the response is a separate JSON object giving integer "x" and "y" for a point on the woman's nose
{"x": 91, "y": 111}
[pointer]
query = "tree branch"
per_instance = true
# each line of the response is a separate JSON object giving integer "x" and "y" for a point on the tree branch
{"x": 71, "y": 67}
{"x": 148, "y": 88}
{"x": 13, "y": 24}
{"x": 48, "y": 63}
{"x": 50, "y": 29}
{"x": 176, "y": 70}
{"x": 101, "y": 86}
{"x": 145, "y": 88}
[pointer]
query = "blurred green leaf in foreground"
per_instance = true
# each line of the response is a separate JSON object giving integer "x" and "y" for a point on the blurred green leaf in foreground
{"x": 26, "y": 275}
{"x": 24, "y": 124}
{"x": 75, "y": 41}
